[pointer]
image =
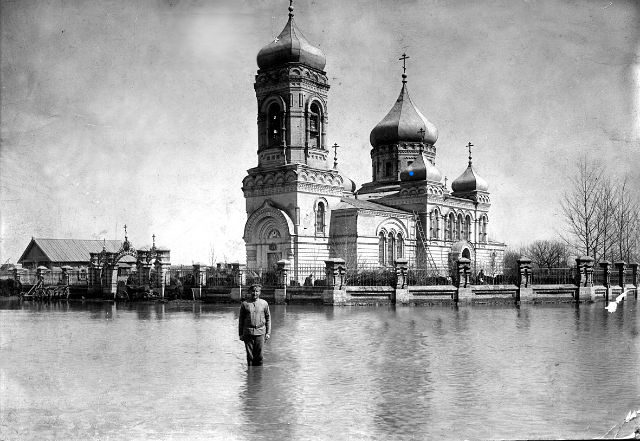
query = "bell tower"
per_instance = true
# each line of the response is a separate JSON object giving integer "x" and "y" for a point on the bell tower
{"x": 291, "y": 88}
{"x": 291, "y": 193}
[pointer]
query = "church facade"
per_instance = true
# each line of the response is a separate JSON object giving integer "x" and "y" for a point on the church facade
{"x": 302, "y": 208}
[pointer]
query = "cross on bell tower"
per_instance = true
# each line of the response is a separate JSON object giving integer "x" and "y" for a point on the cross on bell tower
{"x": 469, "y": 147}
{"x": 404, "y": 58}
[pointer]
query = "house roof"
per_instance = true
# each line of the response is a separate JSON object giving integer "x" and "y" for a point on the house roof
{"x": 70, "y": 250}
{"x": 366, "y": 205}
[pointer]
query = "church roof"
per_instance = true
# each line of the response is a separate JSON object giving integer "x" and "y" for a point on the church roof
{"x": 69, "y": 250}
{"x": 291, "y": 47}
{"x": 403, "y": 123}
{"x": 366, "y": 205}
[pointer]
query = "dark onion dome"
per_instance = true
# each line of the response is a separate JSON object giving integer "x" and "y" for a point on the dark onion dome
{"x": 469, "y": 181}
{"x": 291, "y": 47}
{"x": 403, "y": 123}
{"x": 421, "y": 170}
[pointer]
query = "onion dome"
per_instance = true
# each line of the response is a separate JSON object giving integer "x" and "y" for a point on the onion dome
{"x": 403, "y": 123}
{"x": 348, "y": 184}
{"x": 421, "y": 169}
{"x": 469, "y": 181}
{"x": 291, "y": 47}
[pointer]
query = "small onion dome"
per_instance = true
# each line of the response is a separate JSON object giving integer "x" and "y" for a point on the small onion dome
{"x": 348, "y": 184}
{"x": 291, "y": 47}
{"x": 469, "y": 181}
{"x": 403, "y": 123}
{"x": 421, "y": 169}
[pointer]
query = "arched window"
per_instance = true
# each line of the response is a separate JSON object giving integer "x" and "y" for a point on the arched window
{"x": 320, "y": 218}
{"x": 381, "y": 248}
{"x": 449, "y": 227}
{"x": 400, "y": 247}
{"x": 459, "y": 227}
{"x": 391, "y": 245}
{"x": 467, "y": 228}
{"x": 434, "y": 222}
{"x": 274, "y": 125}
{"x": 315, "y": 126}
{"x": 483, "y": 229}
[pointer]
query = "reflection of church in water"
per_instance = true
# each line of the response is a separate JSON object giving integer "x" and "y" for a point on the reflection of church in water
{"x": 300, "y": 207}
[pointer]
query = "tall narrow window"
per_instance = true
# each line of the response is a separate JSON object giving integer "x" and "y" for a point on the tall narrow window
{"x": 391, "y": 245}
{"x": 431, "y": 224}
{"x": 400, "y": 247}
{"x": 467, "y": 228}
{"x": 274, "y": 124}
{"x": 449, "y": 227}
{"x": 459, "y": 227}
{"x": 320, "y": 212}
{"x": 315, "y": 125}
{"x": 381, "y": 248}
{"x": 436, "y": 228}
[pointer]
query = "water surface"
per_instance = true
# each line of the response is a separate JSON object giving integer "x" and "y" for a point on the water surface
{"x": 153, "y": 371}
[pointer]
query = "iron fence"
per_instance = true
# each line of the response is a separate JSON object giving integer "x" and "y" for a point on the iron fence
{"x": 370, "y": 276}
{"x": 222, "y": 277}
{"x": 260, "y": 276}
{"x": 628, "y": 277}
{"x": 496, "y": 275}
{"x": 424, "y": 277}
{"x": 308, "y": 275}
{"x": 553, "y": 276}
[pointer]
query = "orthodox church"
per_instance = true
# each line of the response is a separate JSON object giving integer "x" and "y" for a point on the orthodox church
{"x": 302, "y": 208}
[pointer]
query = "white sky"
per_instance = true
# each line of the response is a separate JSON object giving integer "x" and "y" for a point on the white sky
{"x": 143, "y": 112}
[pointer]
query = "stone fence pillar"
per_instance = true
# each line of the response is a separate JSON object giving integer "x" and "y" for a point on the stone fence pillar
{"x": 524, "y": 270}
{"x": 161, "y": 272}
{"x": 199, "y": 274}
{"x": 401, "y": 267}
{"x": 634, "y": 274}
{"x": 65, "y": 275}
{"x": 606, "y": 273}
{"x": 40, "y": 272}
{"x": 464, "y": 268}
{"x": 584, "y": 266}
{"x": 17, "y": 275}
{"x": 620, "y": 270}
{"x": 335, "y": 270}
{"x": 282, "y": 273}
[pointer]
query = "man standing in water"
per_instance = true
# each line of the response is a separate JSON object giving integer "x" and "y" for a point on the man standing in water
{"x": 254, "y": 325}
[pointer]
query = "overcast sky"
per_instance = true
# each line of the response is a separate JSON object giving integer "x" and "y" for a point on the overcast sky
{"x": 144, "y": 113}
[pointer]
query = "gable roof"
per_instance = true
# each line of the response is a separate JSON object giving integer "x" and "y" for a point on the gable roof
{"x": 367, "y": 205}
{"x": 70, "y": 250}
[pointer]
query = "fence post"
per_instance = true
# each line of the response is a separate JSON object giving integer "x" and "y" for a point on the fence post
{"x": 17, "y": 275}
{"x": 586, "y": 291}
{"x": 606, "y": 278}
{"x": 65, "y": 275}
{"x": 620, "y": 267}
{"x": 401, "y": 293}
{"x": 464, "y": 292}
{"x": 280, "y": 292}
{"x": 634, "y": 276}
{"x": 525, "y": 291}
{"x": 40, "y": 272}
{"x": 335, "y": 292}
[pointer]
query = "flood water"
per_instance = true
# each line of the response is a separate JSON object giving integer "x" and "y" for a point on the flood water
{"x": 153, "y": 371}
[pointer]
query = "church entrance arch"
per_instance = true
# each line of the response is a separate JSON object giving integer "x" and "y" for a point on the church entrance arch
{"x": 268, "y": 237}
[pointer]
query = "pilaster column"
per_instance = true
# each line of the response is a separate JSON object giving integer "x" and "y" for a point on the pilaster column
{"x": 199, "y": 274}
{"x": 161, "y": 273}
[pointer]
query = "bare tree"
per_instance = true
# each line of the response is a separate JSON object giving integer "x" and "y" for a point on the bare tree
{"x": 548, "y": 253}
{"x": 212, "y": 255}
{"x": 580, "y": 206}
{"x": 627, "y": 224}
